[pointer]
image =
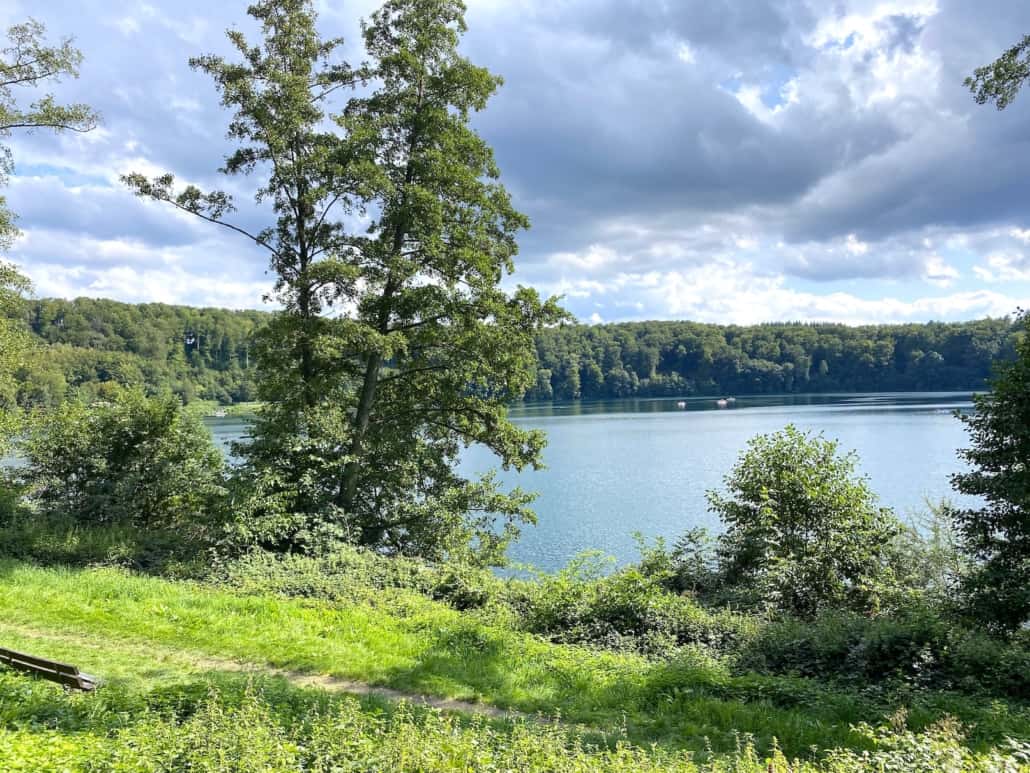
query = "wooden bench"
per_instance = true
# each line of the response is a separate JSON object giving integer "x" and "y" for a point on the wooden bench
{"x": 68, "y": 676}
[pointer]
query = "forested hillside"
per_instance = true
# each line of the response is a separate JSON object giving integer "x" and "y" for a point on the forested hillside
{"x": 197, "y": 353}
{"x": 683, "y": 358}
{"x": 206, "y": 354}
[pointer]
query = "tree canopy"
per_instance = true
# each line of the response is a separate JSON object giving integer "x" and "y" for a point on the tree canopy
{"x": 209, "y": 354}
{"x": 997, "y": 535}
{"x": 28, "y": 62}
{"x": 14, "y": 344}
{"x": 367, "y": 407}
{"x": 1000, "y": 81}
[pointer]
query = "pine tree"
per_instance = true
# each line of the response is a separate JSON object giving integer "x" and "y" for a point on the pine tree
{"x": 997, "y": 535}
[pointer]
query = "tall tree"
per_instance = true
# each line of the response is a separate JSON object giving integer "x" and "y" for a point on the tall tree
{"x": 369, "y": 406}
{"x": 997, "y": 535}
{"x": 280, "y": 94}
{"x": 440, "y": 348}
{"x": 28, "y": 62}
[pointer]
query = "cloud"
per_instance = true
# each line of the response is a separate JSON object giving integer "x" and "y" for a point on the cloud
{"x": 758, "y": 159}
{"x": 735, "y": 293}
{"x": 1005, "y": 268}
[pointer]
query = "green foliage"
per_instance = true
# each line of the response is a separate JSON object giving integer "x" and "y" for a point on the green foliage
{"x": 226, "y": 731}
{"x": 27, "y": 62}
{"x": 92, "y": 341}
{"x": 915, "y": 648}
{"x": 997, "y": 535}
{"x": 927, "y": 560}
{"x": 197, "y": 354}
{"x": 348, "y": 573}
{"x": 664, "y": 359}
{"x": 14, "y": 344}
{"x": 802, "y": 532}
{"x": 408, "y": 642}
{"x": 367, "y": 409}
{"x": 628, "y": 609}
{"x": 1000, "y": 81}
{"x": 129, "y": 460}
{"x": 55, "y": 540}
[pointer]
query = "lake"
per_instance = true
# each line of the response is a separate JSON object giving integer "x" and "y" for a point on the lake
{"x": 615, "y": 468}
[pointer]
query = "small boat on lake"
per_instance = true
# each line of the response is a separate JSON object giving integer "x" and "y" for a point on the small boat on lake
{"x": 681, "y": 404}
{"x": 722, "y": 403}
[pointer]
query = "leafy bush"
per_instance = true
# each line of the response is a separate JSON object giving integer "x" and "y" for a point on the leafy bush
{"x": 803, "y": 533}
{"x": 129, "y": 460}
{"x": 10, "y": 500}
{"x": 915, "y": 648}
{"x": 50, "y": 539}
{"x": 349, "y": 572}
{"x": 624, "y": 610}
{"x": 927, "y": 560}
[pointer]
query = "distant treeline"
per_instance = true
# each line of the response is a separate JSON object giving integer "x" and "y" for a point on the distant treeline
{"x": 206, "y": 354}
{"x": 196, "y": 353}
{"x": 653, "y": 359}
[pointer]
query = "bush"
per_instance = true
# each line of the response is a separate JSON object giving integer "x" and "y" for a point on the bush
{"x": 224, "y": 732}
{"x": 625, "y": 610}
{"x": 349, "y": 572}
{"x": 130, "y": 460}
{"x": 10, "y": 500}
{"x": 49, "y": 540}
{"x": 803, "y": 532}
{"x": 914, "y": 648}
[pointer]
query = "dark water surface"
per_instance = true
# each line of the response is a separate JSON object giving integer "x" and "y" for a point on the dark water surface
{"x": 627, "y": 466}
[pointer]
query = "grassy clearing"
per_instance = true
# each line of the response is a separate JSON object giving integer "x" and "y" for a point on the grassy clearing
{"x": 269, "y": 727}
{"x": 162, "y": 711}
{"x": 144, "y": 627}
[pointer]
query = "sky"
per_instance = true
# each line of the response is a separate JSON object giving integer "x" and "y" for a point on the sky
{"x": 732, "y": 161}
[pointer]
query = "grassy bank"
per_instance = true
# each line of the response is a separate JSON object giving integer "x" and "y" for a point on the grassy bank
{"x": 212, "y": 408}
{"x": 144, "y": 633}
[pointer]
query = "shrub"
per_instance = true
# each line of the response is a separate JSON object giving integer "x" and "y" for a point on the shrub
{"x": 224, "y": 732}
{"x": 10, "y": 500}
{"x": 927, "y": 560}
{"x": 50, "y": 539}
{"x": 803, "y": 532}
{"x": 129, "y": 460}
{"x": 348, "y": 572}
{"x": 625, "y": 610}
{"x": 916, "y": 648}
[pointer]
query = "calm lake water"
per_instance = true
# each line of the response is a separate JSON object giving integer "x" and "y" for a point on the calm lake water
{"x": 615, "y": 468}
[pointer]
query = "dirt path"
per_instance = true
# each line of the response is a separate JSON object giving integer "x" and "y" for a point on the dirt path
{"x": 204, "y": 662}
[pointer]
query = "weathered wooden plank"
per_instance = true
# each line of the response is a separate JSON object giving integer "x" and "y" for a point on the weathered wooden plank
{"x": 52, "y": 670}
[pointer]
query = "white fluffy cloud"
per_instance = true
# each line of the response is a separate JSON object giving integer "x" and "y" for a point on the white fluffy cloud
{"x": 731, "y": 292}
{"x": 725, "y": 160}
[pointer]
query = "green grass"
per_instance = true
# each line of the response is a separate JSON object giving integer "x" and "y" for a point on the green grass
{"x": 158, "y": 711}
{"x": 142, "y": 633}
{"x": 205, "y": 408}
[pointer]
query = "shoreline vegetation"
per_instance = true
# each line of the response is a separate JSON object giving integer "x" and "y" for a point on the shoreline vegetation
{"x": 207, "y": 356}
